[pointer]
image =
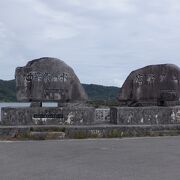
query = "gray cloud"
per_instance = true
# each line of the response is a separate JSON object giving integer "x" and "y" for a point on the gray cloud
{"x": 103, "y": 40}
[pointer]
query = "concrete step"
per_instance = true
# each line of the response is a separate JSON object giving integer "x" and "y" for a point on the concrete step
{"x": 47, "y": 135}
{"x": 90, "y": 131}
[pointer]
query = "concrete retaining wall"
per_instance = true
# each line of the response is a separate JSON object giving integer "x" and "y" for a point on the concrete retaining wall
{"x": 47, "y": 116}
{"x": 145, "y": 115}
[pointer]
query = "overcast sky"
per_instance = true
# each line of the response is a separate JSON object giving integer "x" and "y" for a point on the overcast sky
{"x": 103, "y": 40}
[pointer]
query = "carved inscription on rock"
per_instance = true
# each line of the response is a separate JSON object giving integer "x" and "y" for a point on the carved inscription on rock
{"x": 46, "y": 77}
{"x": 139, "y": 79}
{"x": 151, "y": 79}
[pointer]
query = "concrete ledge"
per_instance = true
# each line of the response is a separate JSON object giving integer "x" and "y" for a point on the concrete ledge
{"x": 81, "y": 132}
{"x": 145, "y": 115}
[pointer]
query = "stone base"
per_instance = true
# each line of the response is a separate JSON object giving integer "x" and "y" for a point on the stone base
{"x": 46, "y": 132}
{"x": 47, "y": 116}
{"x": 145, "y": 115}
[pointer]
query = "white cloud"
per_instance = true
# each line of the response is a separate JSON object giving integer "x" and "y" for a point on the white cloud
{"x": 103, "y": 40}
{"x": 58, "y": 33}
{"x": 121, "y": 6}
{"x": 2, "y": 31}
{"x": 50, "y": 14}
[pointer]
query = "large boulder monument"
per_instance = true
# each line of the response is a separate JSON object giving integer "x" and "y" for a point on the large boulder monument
{"x": 152, "y": 85}
{"x": 150, "y": 95}
{"x": 48, "y": 80}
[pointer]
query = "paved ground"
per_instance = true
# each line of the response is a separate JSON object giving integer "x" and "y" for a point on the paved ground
{"x": 106, "y": 159}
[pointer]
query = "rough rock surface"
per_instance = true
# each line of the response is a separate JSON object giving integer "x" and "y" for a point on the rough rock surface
{"x": 48, "y": 79}
{"x": 152, "y": 85}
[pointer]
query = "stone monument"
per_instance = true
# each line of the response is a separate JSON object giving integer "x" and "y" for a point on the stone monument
{"x": 152, "y": 85}
{"x": 48, "y": 80}
{"x": 149, "y": 95}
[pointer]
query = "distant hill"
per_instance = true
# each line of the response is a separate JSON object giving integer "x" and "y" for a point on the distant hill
{"x": 98, "y": 92}
{"x": 7, "y": 91}
{"x": 95, "y": 92}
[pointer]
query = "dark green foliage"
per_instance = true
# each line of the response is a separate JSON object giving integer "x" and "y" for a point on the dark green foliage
{"x": 98, "y": 92}
{"x": 100, "y": 103}
{"x": 7, "y": 91}
{"x": 98, "y": 95}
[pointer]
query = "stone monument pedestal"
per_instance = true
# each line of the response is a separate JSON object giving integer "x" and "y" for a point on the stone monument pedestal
{"x": 14, "y": 116}
{"x": 154, "y": 115}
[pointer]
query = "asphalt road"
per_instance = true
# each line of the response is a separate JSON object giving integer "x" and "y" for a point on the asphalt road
{"x": 105, "y": 159}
